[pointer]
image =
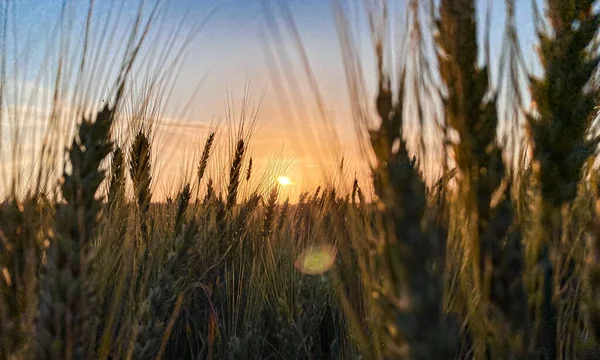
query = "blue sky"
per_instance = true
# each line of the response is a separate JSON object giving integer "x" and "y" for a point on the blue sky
{"x": 229, "y": 47}
{"x": 229, "y": 50}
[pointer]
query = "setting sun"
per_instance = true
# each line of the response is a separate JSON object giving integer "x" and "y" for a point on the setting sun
{"x": 284, "y": 180}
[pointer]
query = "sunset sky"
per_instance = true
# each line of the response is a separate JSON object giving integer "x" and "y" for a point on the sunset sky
{"x": 232, "y": 50}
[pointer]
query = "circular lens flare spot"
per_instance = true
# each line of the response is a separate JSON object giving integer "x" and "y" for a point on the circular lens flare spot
{"x": 317, "y": 260}
{"x": 284, "y": 180}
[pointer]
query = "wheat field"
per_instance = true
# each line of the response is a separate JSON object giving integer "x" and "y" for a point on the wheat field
{"x": 493, "y": 254}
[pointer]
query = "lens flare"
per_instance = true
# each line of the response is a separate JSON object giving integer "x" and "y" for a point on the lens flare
{"x": 316, "y": 260}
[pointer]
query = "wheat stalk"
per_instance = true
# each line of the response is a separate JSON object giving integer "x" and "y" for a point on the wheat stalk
{"x": 140, "y": 172}
{"x": 234, "y": 174}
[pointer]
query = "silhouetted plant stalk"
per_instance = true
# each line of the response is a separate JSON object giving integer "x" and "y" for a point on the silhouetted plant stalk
{"x": 356, "y": 192}
{"x": 140, "y": 172}
{"x": 240, "y": 231}
{"x": 481, "y": 211}
{"x": 183, "y": 201}
{"x": 316, "y": 194}
{"x": 403, "y": 288}
{"x": 283, "y": 214}
{"x": 116, "y": 190}
{"x": 270, "y": 212}
{"x": 249, "y": 170}
{"x": 67, "y": 289}
{"x": 234, "y": 174}
{"x": 209, "y": 192}
{"x": 564, "y": 101}
{"x": 411, "y": 291}
{"x": 205, "y": 156}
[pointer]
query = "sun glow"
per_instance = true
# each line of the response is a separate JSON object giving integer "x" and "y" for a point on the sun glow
{"x": 284, "y": 180}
